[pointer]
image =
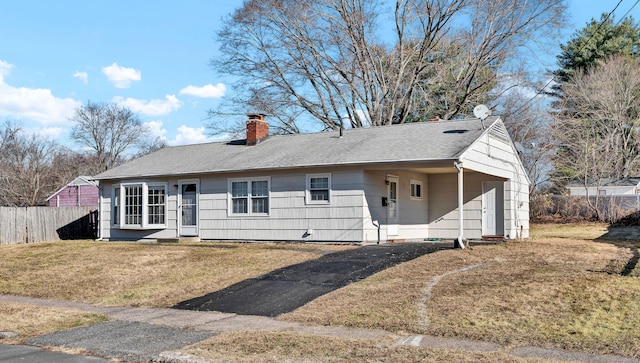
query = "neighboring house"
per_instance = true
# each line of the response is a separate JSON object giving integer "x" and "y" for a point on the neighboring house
{"x": 80, "y": 192}
{"x": 605, "y": 187}
{"x": 623, "y": 193}
{"x": 389, "y": 183}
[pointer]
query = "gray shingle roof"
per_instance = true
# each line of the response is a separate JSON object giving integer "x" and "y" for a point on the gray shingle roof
{"x": 432, "y": 141}
{"x": 606, "y": 182}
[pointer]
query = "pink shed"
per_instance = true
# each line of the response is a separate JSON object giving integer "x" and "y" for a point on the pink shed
{"x": 80, "y": 192}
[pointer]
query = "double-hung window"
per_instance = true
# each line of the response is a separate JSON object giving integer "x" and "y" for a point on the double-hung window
{"x": 115, "y": 205}
{"x": 318, "y": 189}
{"x": 249, "y": 196}
{"x": 132, "y": 205}
{"x": 140, "y": 205}
{"x": 156, "y": 204}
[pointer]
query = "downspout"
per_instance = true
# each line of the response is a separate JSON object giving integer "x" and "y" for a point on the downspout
{"x": 460, "y": 240}
{"x": 377, "y": 225}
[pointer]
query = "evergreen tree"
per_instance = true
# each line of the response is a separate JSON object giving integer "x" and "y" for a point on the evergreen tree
{"x": 596, "y": 105}
{"x": 596, "y": 42}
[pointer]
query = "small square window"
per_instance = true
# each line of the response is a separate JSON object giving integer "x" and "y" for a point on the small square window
{"x": 416, "y": 190}
{"x": 318, "y": 188}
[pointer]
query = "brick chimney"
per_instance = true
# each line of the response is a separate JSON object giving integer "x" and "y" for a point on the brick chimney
{"x": 257, "y": 128}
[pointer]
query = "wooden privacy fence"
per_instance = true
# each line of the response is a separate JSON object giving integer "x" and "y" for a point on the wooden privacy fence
{"x": 42, "y": 224}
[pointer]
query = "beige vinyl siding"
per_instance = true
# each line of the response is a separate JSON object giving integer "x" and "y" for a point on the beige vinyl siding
{"x": 516, "y": 209}
{"x": 104, "y": 210}
{"x": 495, "y": 156}
{"x": 443, "y": 204}
{"x": 492, "y": 156}
{"x": 289, "y": 216}
{"x": 412, "y": 214}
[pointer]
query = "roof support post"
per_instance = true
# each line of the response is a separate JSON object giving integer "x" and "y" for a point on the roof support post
{"x": 100, "y": 197}
{"x": 459, "y": 241}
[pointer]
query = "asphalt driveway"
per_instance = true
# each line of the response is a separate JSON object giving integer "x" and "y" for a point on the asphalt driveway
{"x": 286, "y": 289}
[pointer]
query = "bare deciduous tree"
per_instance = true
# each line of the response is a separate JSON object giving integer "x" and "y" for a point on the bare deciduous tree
{"x": 342, "y": 62}
{"x": 598, "y": 130}
{"x": 530, "y": 128}
{"x": 109, "y": 130}
{"x": 26, "y": 175}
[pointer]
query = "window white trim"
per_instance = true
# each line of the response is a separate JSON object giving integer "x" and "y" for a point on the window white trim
{"x": 416, "y": 189}
{"x": 115, "y": 205}
{"x": 250, "y": 197}
{"x": 318, "y": 191}
{"x": 132, "y": 219}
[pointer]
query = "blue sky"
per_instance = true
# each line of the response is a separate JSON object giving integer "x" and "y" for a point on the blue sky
{"x": 151, "y": 56}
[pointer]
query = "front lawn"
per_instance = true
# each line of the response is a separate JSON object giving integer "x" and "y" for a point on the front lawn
{"x": 551, "y": 291}
{"x": 140, "y": 274}
{"x": 563, "y": 288}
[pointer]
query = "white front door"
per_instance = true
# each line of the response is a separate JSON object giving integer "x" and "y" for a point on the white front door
{"x": 392, "y": 205}
{"x": 492, "y": 208}
{"x": 188, "y": 208}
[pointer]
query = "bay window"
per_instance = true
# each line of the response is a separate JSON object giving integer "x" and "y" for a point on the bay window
{"x": 140, "y": 205}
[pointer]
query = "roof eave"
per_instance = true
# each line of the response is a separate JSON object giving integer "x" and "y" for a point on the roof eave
{"x": 294, "y": 167}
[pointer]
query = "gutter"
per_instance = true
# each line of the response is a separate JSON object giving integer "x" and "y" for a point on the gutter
{"x": 444, "y": 161}
{"x": 460, "y": 240}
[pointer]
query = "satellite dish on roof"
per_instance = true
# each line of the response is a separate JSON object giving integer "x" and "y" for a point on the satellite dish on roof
{"x": 482, "y": 112}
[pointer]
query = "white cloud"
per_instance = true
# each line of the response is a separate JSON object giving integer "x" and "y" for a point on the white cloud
{"x": 361, "y": 115}
{"x": 37, "y": 104}
{"x": 83, "y": 76}
{"x": 121, "y": 77}
{"x": 150, "y": 108}
{"x": 155, "y": 129}
{"x": 5, "y": 69}
{"x": 51, "y": 133}
{"x": 186, "y": 135}
{"x": 189, "y": 135}
{"x": 206, "y": 91}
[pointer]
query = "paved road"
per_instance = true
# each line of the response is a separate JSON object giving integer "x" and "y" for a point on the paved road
{"x": 27, "y": 354}
{"x": 286, "y": 289}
